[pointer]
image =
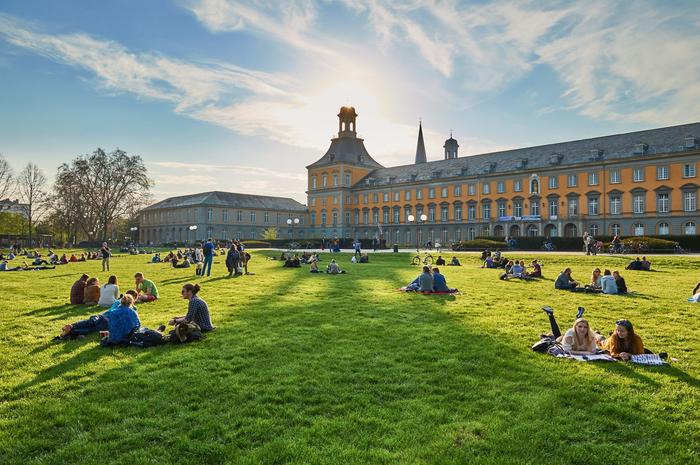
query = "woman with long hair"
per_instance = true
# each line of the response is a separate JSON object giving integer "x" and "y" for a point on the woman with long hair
{"x": 580, "y": 339}
{"x": 624, "y": 342}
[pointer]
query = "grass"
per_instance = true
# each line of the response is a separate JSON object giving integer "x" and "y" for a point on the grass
{"x": 317, "y": 369}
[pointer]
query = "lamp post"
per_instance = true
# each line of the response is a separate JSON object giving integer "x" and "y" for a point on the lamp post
{"x": 292, "y": 223}
{"x": 192, "y": 228}
{"x": 133, "y": 229}
{"x": 419, "y": 221}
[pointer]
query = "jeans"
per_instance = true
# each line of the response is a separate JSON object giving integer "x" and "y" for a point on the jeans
{"x": 105, "y": 264}
{"x": 91, "y": 325}
{"x": 208, "y": 259}
{"x": 555, "y": 327}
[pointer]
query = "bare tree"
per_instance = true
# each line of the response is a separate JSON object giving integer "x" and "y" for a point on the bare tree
{"x": 7, "y": 185}
{"x": 31, "y": 187}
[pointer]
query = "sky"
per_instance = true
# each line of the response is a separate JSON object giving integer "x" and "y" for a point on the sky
{"x": 241, "y": 95}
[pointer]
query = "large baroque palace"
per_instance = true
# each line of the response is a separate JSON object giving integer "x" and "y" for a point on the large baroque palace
{"x": 636, "y": 183}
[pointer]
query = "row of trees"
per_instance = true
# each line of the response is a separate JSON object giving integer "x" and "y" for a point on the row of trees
{"x": 93, "y": 197}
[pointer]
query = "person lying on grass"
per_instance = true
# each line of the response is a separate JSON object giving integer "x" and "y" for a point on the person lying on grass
{"x": 579, "y": 340}
{"x": 696, "y": 294}
{"x": 148, "y": 292}
{"x": 624, "y": 342}
{"x": 197, "y": 309}
{"x": 93, "y": 324}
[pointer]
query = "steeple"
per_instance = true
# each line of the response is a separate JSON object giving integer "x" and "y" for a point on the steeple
{"x": 451, "y": 146}
{"x": 420, "y": 148}
{"x": 346, "y": 122}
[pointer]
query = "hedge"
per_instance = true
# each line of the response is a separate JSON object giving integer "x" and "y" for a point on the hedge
{"x": 662, "y": 243}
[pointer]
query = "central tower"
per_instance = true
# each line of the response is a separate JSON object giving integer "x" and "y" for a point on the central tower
{"x": 346, "y": 122}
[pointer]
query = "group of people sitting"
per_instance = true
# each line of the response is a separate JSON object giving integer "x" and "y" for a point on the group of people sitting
{"x": 120, "y": 323}
{"x": 441, "y": 261}
{"x": 580, "y": 339}
{"x": 606, "y": 282}
{"x": 87, "y": 291}
{"x": 429, "y": 281}
{"x": 295, "y": 260}
{"x": 518, "y": 269}
{"x": 494, "y": 260}
{"x": 639, "y": 265}
{"x": 364, "y": 258}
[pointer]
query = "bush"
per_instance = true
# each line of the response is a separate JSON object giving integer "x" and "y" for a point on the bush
{"x": 479, "y": 244}
{"x": 251, "y": 244}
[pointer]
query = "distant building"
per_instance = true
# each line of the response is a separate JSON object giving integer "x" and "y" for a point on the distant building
{"x": 222, "y": 216}
{"x": 637, "y": 183}
{"x": 13, "y": 206}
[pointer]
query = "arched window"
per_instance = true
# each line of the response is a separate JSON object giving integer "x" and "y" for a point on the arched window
{"x": 533, "y": 230}
{"x": 498, "y": 231}
{"x": 664, "y": 229}
{"x": 515, "y": 231}
{"x": 690, "y": 228}
{"x": 471, "y": 234}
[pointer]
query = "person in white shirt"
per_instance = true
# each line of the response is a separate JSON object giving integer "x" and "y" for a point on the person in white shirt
{"x": 109, "y": 292}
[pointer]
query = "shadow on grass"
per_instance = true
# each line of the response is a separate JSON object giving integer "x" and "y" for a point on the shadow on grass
{"x": 61, "y": 312}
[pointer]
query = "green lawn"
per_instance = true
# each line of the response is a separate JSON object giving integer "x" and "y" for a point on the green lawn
{"x": 317, "y": 369}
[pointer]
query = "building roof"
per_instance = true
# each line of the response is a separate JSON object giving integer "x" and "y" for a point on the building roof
{"x": 606, "y": 148}
{"x": 350, "y": 150}
{"x": 421, "y": 157}
{"x": 231, "y": 200}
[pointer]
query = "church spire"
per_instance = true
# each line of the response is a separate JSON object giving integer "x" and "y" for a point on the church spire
{"x": 420, "y": 148}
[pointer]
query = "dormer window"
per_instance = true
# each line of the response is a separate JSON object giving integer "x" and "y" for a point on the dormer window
{"x": 596, "y": 154}
{"x": 464, "y": 171}
{"x": 691, "y": 142}
{"x": 640, "y": 149}
{"x": 521, "y": 164}
{"x": 555, "y": 159}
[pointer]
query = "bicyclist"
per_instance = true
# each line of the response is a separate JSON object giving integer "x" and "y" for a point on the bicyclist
{"x": 617, "y": 244}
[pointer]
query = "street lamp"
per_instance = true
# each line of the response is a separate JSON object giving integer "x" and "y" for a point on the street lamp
{"x": 292, "y": 223}
{"x": 422, "y": 220}
{"x": 133, "y": 229}
{"x": 192, "y": 228}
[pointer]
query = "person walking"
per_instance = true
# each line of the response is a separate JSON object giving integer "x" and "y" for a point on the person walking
{"x": 106, "y": 253}
{"x": 208, "y": 251}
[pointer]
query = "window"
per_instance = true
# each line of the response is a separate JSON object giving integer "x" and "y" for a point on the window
{"x": 501, "y": 187}
{"x": 593, "y": 178}
{"x": 638, "y": 229}
{"x": 572, "y": 180}
{"x": 689, "y": 170}
{"x": 518, "y": 208}
{"x": 472, "y": 189}
{"x": 407, "y": 195}
{"x": 573, "y": 206}
{"x": 445, "y": 237}
{"x": 553, "y": 208}
{"x": 397, "y": 196}
{"x": 431, "y": 192}
{"x": 406, "y": 212}
{"x": 662, "y": 173}
{"x": 664, "y": 229}
{"x": 553, "y": 182}
{"x": 335, "y": 180}
{"x": 365, "y": 217}
{"x": 385, "y": 197}
{"x": 335, "y": 218}
{"x": 535, "y": 208}
{"x": 335, "y": 200}
{"x": 313, "y": 182}
{"x": 347, "y": 179}
{"x": 471, "y": 212}
{"x": 689, "y": 228}
{"x": 357, "y": 217}
{"x": 638, "y": 203}
{"x": 252, "y": 217}
{"x": 375, "y": 216}
{"x": 443, "y": 192}
{"x": 615, "y": 176}
{"x": 239, "y": 216}
{"x": 375, "y": 197}
{"x": 593, "y": 206}
{"x": 458, "y": 190}
{"x": 431, "y": 213}
{"x": 324, "y": 180}
{"x": 690, "y": 201}
{"x": 517, "y": 185}
{"x": 397, "y": 215}
{"x": 501, "y": 209}
{"x": 486, "y": 188}
{"x": 615, "y": 229}
{"x": 419, "y": 194}
{"x": 486, "y": 211}
{"x": 365, "y": 199}
{"x": 266, "y": 217}
{"x": 323, "y": 217}
{"x": 615, "y": 205}
{"x": 638, "y": 175}
{"x": 385, "y": 217}
{"x": 347, "y": 217}
{"x": 444, "y": 212}
{"x": 662, "y": 203}
{"x": 593, "y": 229}
{"x": 210, "y": 214}
{"x": 313, "y": 217}
{"x": 224, "y": 216}
{"x": 458, "y": 213}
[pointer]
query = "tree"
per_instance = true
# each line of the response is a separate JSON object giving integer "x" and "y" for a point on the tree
{"x": 269, "y": 234}
{"x": 31, "y": 187}
{"x": 7, "y": 186}
{"x": 99, "y": 189}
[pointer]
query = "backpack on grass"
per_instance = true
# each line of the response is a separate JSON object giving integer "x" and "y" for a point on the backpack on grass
{"x": 186, "y": 331}
{"x": 147, "y": 338}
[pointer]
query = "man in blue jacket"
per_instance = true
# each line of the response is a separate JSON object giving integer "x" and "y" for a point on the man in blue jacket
{"x": 208, "y": 250}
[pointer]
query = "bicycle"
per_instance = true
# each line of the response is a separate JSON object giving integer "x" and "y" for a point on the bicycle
{"x": 427, "y": 260}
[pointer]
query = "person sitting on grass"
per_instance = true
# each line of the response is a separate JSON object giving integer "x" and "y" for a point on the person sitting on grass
{"x": 486, "y": 253}
{"x": 197, "y": 310}
{"x": 488, "y": 263}
{"x": 39, "y": 261}
{"x": 624, "y": 342}
{"x": 565, "y": 281}
{"x": 439, "y": 282}
{"x": 92, "y": 292}
{"x": 147, "y": 290}
{"x": 109, "y": 293}
{"x": 63, "y": 260}
{"x": 313, "y": 265}
{"x": 73, "y": 258}
{"x": 608, "y": 284}
{"x": 620, "y": 283}
{"x": 155, "y": 258}
{"x": 364, "y": 258}
{"x": 91, "y": 325}
{"x": 122, "y": 322}
{"x": 440, "y": 261}
{"x": 536, "y": 270}
{"x": 696, "y": 294}
{"x": 595, "y": 284}
{"x": 455, "y": 262}
{"x": 82, "y": 258}
{"x": 185, "y": 263}
{"x": 3, "y": 265}
{"x": 425, "y": 280}
{"x": 77, "y": 290}
{"x": 635, "y": 265}
{"x": 333, "y": 268}
{"x": 646, "y": 264}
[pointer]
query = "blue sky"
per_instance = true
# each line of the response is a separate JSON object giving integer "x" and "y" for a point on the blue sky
{"x": 240, "y": 96}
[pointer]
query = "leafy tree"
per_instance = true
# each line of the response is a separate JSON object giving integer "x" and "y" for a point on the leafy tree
{"x": 31, "y": 187}
{"x": 269, "y": 234}
{"x": 12, "y": 223}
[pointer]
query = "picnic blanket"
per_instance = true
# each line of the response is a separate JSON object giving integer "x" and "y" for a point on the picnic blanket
{"x": 647, "y": 359}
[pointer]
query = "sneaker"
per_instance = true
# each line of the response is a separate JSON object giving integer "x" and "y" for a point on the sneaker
{"x": 161, "y": 328}
{"x": 548, "y": 310}
{"x": 663, "y": 355}
{"x": 580, "y": 312}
